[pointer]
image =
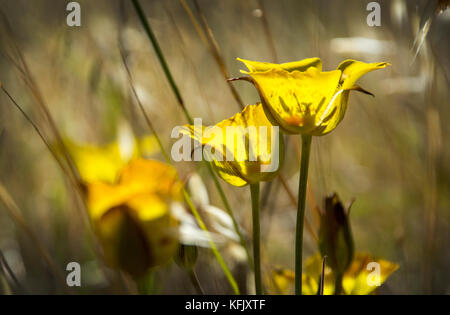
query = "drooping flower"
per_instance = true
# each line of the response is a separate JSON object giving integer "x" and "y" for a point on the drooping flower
{"x": 301, "y": 98}
{"x": 132, "y": 217}
{"x": 244, "y": 149}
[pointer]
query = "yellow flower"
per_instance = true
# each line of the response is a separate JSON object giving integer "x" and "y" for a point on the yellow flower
{"x": 104, "y": 163}
{"x": 244, "y": 149}
{"x": 355, "y": 280}
{"x": 132, "y": 217}
{"x": 301, "y": 98}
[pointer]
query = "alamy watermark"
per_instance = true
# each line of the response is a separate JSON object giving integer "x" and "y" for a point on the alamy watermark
{"x": 73, "y": 278}
{"x": 374, "y": 17}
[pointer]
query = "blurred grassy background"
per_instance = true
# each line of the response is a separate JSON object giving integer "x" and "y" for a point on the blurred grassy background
{"x": 390, "y": 153}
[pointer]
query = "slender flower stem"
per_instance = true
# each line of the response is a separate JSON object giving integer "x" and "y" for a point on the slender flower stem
{"x": 254, "y": 191}
{"x": 304, "y": 165}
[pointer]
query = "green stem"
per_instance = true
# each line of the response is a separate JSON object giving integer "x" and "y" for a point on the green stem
{"x": 161, "y": 58}
{"x": 214, "y": 249}
{"x": 304, "y": 165}
{"x": 338, "y": 285}
{"x": 146, "y": 283}
{"x": 254, "y": 191}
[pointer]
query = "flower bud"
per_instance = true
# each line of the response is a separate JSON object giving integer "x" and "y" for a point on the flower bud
{"x": 335, "y": 236}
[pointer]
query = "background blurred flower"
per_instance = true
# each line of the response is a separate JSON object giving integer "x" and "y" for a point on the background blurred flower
{"x": 355, "y": 279}
{"x": 132, "y": 217}
{"x": 104, "y": 163}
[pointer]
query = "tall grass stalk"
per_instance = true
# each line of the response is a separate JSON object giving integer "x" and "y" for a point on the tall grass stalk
{"x": 9, "y": 271}
{"x": 303, "y": 181}
{"x": 207, "y": 37}
{"x": 267, "y": 32}
{"x": 29, "y": 80}
{"x": 196, "y": 283}
{"x": 14, "y": 213}
{"x": 5, "y": 289}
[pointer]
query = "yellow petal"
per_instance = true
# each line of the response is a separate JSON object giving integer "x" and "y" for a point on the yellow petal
{"x": 139, "y": 177}
{"x": 282, "y": 282}
{"x": 104, "y": 163}
{"x": 313, "y": 269}
{"x": 356, "y": 277}
{"x": 302, "y": 65}
{"x": 151, "y": 176}
{"x": 96, "y": 163}
{"x": 298, "y": 100}
{"x": 352, "y": 70}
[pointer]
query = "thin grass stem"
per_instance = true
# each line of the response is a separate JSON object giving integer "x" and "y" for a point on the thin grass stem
{"x": 14, "y": 212}
{"x": 195, "y": 282}
{"x": 207, "y": 37}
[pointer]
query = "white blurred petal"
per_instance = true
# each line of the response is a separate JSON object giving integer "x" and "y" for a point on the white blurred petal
{"x": 404, "y": 85}
{"x": 126, "y": 141}
{"x": 197, "y": 190}
{"x": 221, "y": 222}
{"x": 362, "y": 45}
{"x": 190, "y": 233}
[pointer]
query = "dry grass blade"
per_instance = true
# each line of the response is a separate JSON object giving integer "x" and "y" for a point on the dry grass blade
{"x": 14, "y": 213}
{"x": 21, "y": 65}
{"x": 431, "y": 10}
{"x": 4, "y": 285}
{"x": 41, "y": 135}
{"x": 207, "y": 37}
{"x": 267, "y": 32}
{"x": 77, "y": 184}
{"x": 183, "y": 50}
{"x": 8, "y": 270}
